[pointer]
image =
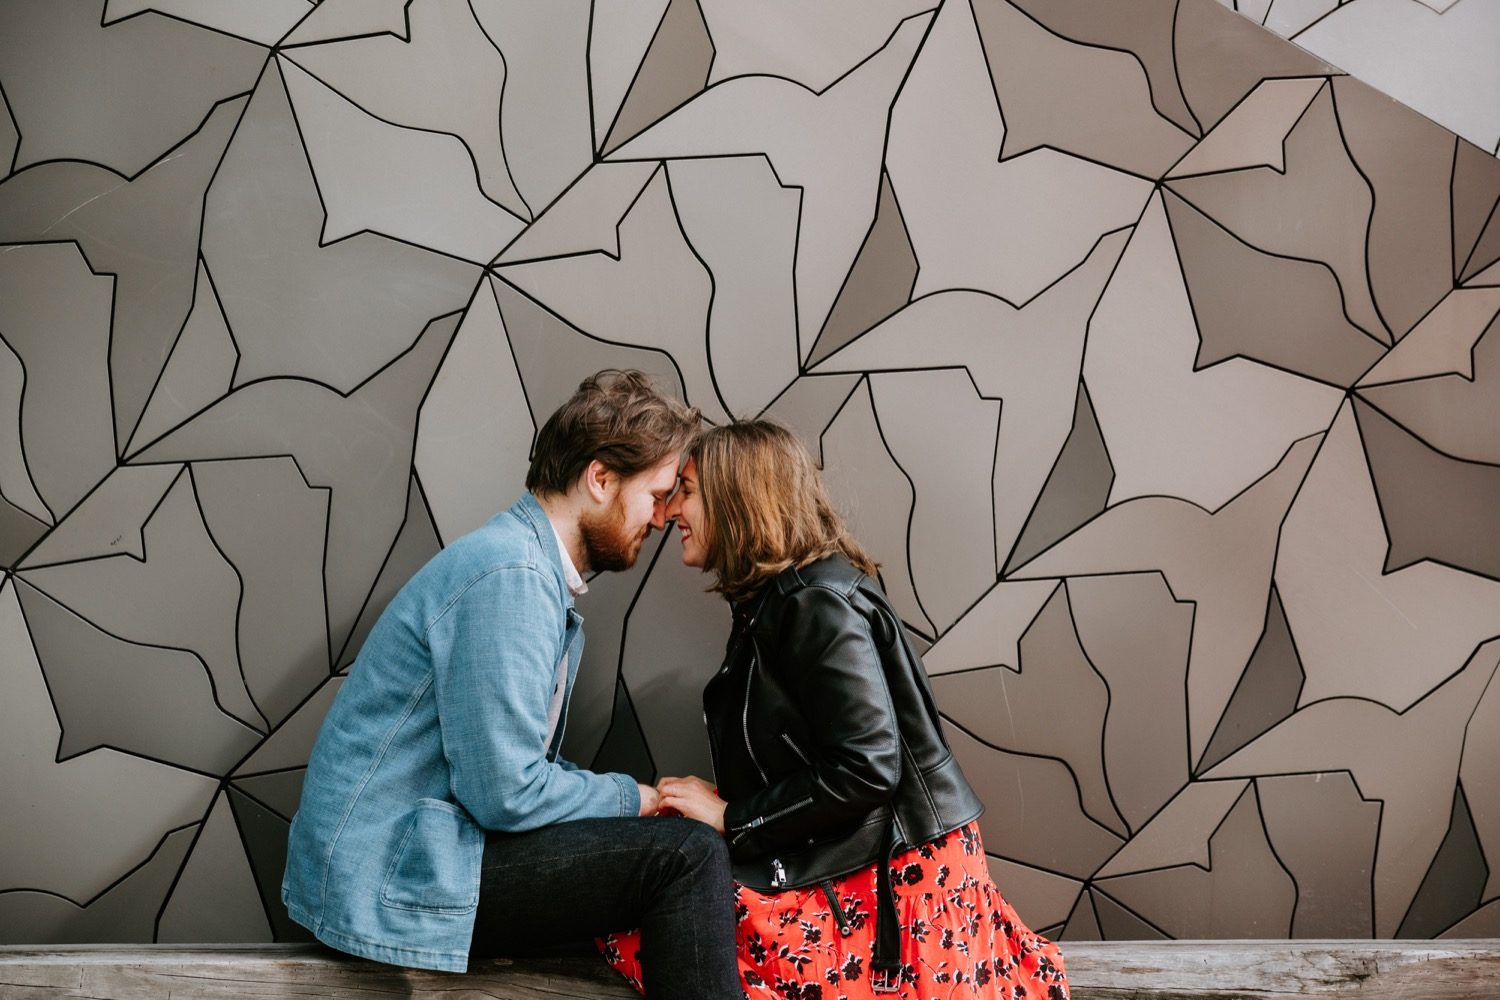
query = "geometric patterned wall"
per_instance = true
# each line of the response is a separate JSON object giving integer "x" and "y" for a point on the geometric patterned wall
{"x": 1157, "y": 360}
{"x": 1435, "y": 56}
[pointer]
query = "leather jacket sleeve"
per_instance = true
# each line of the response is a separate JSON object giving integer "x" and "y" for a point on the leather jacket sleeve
{"x": 827, "y": 661}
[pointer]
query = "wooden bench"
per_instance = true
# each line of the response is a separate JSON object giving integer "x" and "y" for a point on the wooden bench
{"x": 1117, "y": 970}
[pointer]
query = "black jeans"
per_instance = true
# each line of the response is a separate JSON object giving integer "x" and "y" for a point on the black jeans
{"x": 574, "y": 881}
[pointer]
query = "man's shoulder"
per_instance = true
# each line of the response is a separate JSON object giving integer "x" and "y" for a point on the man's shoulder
{"x": 509, "y": 540}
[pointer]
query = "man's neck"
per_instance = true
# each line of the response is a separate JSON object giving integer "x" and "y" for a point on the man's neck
{"x": 563, "y": 514}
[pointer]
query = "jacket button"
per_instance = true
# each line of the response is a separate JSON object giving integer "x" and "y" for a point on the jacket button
{"x": 810, "y": 841}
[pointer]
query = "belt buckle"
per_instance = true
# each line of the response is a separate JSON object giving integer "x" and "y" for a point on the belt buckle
{"x": 885, "y": 980}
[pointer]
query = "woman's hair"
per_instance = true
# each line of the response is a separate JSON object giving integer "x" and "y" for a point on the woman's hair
{"x": 765, "y": 507}
{"x": 617, "y": 417}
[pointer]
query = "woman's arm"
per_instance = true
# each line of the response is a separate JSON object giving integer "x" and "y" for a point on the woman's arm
{"x": 829, "y": 664}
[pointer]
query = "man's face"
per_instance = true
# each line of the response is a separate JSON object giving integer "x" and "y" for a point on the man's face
{"x": 612, "y": 538}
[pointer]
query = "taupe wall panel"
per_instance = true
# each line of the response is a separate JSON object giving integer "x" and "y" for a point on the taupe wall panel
{"x": 1156, "y": 359}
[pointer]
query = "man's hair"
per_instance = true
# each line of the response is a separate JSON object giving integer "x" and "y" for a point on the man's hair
{"x": 617, "y": 417}
{"x": 765, "y": 508}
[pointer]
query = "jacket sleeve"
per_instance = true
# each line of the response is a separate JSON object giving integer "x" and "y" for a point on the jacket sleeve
{"x": 494, "y": 653}
{"x": 830, "y": 667}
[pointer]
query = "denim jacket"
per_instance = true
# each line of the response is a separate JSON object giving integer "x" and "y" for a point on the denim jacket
{"x": 439, "y": 734}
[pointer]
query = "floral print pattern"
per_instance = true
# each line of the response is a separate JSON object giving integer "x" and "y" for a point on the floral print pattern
{"x": 960, "y": 939}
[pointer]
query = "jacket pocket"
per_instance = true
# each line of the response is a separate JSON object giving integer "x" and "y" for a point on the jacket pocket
{"x": 436, "y": 864}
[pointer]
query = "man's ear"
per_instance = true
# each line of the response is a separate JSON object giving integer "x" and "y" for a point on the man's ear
{"x": 599, "y": 481}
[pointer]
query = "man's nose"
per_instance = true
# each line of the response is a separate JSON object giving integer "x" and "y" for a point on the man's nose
{"x": 659, "y": 517}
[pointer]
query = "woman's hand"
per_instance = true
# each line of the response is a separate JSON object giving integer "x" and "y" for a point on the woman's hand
{"x": 693, "y": 798}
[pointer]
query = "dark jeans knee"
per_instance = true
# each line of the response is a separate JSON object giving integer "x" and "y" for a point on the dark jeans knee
{"x": 705, "y": 845}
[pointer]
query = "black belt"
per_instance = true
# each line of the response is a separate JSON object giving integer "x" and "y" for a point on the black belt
{"x": 885, "y": 959}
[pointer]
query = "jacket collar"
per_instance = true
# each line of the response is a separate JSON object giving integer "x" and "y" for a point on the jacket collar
{"x": 529, "y": 512}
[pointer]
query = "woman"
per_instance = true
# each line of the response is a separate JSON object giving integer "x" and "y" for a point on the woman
{"x": 858, "y": 863}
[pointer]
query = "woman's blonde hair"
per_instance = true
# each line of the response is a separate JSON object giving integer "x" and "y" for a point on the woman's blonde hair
{"x": 765, "y": 507}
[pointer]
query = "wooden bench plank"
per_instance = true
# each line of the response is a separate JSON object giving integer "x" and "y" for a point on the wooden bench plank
{"x": 1110, "y": 970}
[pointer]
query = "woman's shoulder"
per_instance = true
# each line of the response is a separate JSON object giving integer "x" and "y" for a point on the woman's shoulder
{"x": 834, "y": 572}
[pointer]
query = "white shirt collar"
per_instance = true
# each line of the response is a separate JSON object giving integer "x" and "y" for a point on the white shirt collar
{"x": 575, "y": 582}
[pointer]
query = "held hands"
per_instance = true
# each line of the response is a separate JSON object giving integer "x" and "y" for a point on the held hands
{"x": 650, "y": 800}
{"x": 693, "y": 798}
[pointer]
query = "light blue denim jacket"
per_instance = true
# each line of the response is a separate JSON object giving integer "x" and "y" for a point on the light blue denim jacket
{"x": 440, "y": 733}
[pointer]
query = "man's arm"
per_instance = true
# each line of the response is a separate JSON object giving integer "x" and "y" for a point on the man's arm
{"x": 494, "y": 653}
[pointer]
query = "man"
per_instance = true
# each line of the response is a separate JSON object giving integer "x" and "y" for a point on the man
{"x": 436, "y": 811}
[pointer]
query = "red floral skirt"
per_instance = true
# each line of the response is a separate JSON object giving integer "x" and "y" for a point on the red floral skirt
{"x": 959, "y": 937}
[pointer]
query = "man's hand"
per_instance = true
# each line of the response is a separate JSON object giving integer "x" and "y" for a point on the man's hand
{"x": 650, "y": 799}
{"x": 694, "y": 798}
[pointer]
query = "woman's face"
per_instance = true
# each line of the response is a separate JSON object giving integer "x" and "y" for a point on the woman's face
{"x": 686, "y": 508}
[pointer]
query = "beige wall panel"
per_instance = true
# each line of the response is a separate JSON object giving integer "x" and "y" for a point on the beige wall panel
{"x": 100, "y": 813}
{"x": 1390, "y": 637}
{"x": 828, "y": 143}
{"x": 1408, "y": 761}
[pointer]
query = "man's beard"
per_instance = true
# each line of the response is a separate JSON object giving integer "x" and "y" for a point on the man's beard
{"x": 606, "y": 545}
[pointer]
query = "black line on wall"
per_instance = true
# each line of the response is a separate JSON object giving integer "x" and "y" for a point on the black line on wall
{"x": 235, "y": 784}
{"x": 713, "y": 293}
{"x": 588, "y": 83}
{"x": 335, "y": 662}
{"x": 1073, "y": 775}
{"x": 603, "y": 340}
{"x": 187, "y": 856}
{"x": 1177, "y": 73}
{"x": 1057, "y": 873}
{"x": 1211, "y": 834}
{"x": 239, "y": 829}
{"x": 1260, "y": 816}
{"x": 110, "y": 555}
{"x": 495, "y": 268}
{"x": 489, "y": 280}
{"x": 312, "y": 6}
{"x": 629, "y": 88}
{"x": 1317, "y": 20}
{"x": 838, "y": 411}
{"x": 995, "y": 514}
{"x": 1360, "y": 398}
{"x": 1355, "y": 402}
{"x": 106, "y": 24}
{"x": 1269, "y": 253}
{"x": 268, "y": 771}
{"x": 124, "y": 443}
{"x": 25, "y": 459}
{"x": 1338, "y": 119}
{"x": 10, "y": 166}
{"x": 885, "y": 144}
{"x": 239, "y": 601}
{"x": 95, "y": 898}
{"x": 911, "y": 514}
{"x": 234, "y": 769}
{"x": 620, "y": 658}
{"x": 405, "y": 13}
{"x": 1145, "y": 74}
{"x": 1109, "y": 704}
{"x": 1478, "y": 236}
{"x": 984, "y": 53}
{"x": 500, "y": 115}
{"x": 1092, "y": 886}
{"x": 57, "y": 757}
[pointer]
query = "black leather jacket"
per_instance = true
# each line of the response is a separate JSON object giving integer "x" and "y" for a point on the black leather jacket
{"x": 825, "y": 734}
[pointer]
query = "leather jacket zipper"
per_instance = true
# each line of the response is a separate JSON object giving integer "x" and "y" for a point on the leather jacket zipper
{"x": 787, "y": 738}
{"x": 713, "y": 750}
{"x": 745, "y": 716}
{"x": 740, "y": 831}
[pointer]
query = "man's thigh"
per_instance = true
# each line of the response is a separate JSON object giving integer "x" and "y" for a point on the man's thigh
{"x": 574, "y": 881}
